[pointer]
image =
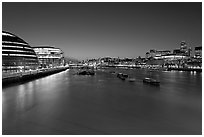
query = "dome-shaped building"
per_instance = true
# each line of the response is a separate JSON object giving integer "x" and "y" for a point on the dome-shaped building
{"x": 17, "y": 55}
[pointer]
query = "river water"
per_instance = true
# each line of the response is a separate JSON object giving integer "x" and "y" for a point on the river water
{"x": 69, "y": 104}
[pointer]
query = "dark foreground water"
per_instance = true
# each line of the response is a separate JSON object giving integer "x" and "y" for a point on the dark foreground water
{"x": 65, "y": 103}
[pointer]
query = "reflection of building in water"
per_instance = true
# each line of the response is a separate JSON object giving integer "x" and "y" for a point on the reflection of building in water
{"x": 198, "y": 52}
{"x": 17, "y": 55}
{"x": 49, "y": 56}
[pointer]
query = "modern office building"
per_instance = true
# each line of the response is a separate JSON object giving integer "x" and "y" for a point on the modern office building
{"x": 17, "y": 55}
{"x": 49, "y": 56}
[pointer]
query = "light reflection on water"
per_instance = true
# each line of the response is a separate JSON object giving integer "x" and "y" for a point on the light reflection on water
{"x": 66, "y": 103}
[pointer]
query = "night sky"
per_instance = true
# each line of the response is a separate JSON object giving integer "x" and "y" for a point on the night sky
{"x": 92, "y": 30}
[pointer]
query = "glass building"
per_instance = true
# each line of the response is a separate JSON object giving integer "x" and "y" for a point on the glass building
{"x": 49, "y": 57}
{"x": 17, "y": 55}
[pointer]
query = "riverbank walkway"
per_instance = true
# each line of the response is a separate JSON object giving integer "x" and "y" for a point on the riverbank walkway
{"x": 8, "y": 78}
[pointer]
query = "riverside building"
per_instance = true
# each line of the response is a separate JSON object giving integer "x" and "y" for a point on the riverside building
{"x": 17, "y": 55}
{"x": 49, "y": 57}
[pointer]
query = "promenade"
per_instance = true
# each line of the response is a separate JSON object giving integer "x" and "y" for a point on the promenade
{"x": 8, "y": 78}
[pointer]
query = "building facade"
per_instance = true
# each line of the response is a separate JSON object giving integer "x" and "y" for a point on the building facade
{"x": 49, "y": 56}
{"x": 17, "y": 55}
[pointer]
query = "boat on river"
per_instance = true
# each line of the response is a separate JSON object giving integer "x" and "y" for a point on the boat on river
{"x": 151, "y": 81}
{"x": 86, "y": 72}
{"x": 112, "y": 72}
{"x": 131, "y": 79}
{"x": 125, "y": 75}
{"x": 122, "y": 76}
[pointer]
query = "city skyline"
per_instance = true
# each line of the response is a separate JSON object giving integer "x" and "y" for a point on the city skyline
{"x": 92, "y": 30}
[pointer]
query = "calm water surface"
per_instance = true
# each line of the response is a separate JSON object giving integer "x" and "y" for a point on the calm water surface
{"x": 65, "y": 103}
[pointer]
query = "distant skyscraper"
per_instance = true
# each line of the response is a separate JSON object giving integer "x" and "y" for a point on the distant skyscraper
{"x": 147, "y": 55}
{"x": 183, "y": 46}
{"x": 198, "y": 52}
{"x": 190, "y": 51}
{"x": 184, "y": 49}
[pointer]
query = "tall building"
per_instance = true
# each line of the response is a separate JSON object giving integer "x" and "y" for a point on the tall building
{"x": 152, "y": 53}
{"x": 198, "y": 52}
{"x": 190, "y": 51}
{"x": 183, "y": 46}
{"x": 147, "y": 55}
{"x": 49, "y": 56}
{"x": 185, "y": 51}
{"x": 17, "y": 55}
